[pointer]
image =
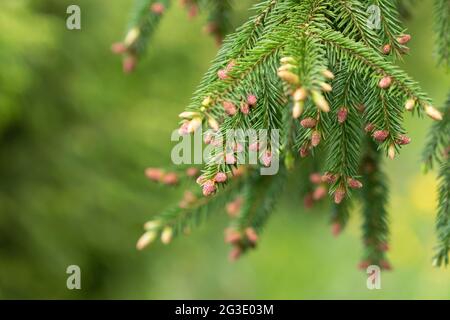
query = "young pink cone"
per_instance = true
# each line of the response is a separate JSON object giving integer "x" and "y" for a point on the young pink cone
{"x": 342, "y": 115}
{"x": 220, "y": 177}
{"x": 339, "y": 195}
{"x": 354, "y": 184}
{"x": 304, "y": 151}
{"x": 308, "y": 123}
{"x": 252, "y": 99}
{"x": 184, "y": 129}
{"x": 369, "y": 127}
{"x": 380, "y": 135}
{"x": 229, "y": 108}
{"x": 403, "y": 140}
{"x": 129, "y": 63}
{"x": 157, "y": 8}
{"x": 235, "y": 254}
{"x": 251, "y": 235}
{"x": 404, "y": 39}
{"x": 387, "y": 49}
{"x": 232, "y": 236}
{"x": 266, "y": 158}
{"x": 230, "y": 158}
{"x": 245, "y": 108}
{"x": 329, "y": 178}
{"x": 315, "y": 138}
{"x": 170, "y": 179}
{"x": 385, "y": 82}
{"x": 208, "y": 188}
{"x": 118, "y": 48}
{"x": 315, "y": 178}
{"x": 234, "y": 207}
{"x": 222, "y": 74}
{"x": 319, "y": 193}
{"x": 154, "y": 174}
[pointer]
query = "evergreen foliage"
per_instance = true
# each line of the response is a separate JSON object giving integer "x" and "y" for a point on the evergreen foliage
{"x": 320, "y": 74}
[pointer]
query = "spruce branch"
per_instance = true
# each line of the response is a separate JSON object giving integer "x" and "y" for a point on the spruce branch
{"x": 315, "y": 72}
{"x": 344, "y": 149}
{"x": 391, "y": 26}
{"x": 438, "y": 142}
{"x": 443, "y": 216}
{"x": 145, "y": 17}
{"x": 260, "y": 194}
{"x": 374, "y": 198}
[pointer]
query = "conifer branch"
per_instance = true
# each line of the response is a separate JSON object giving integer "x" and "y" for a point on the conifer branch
{"x": 438, "y": 142}
{"x": 391, "y": 26}
{"x": 374, "y": 197}
{"x": 443, "y": 216}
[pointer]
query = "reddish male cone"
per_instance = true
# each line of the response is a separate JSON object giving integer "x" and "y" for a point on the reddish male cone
{"x": 170, "y": 179}
{"x": 154, "y": 174}
{"x": 158, "y": 8}
{"x": 315, "y": 178}
{"x": 220, "y": 177}
{"x": 339, "y": 195}
{"x": 319, "y": 193}
{"x": 369, "y": 127}
{"x": 354, "y": 184}
{"x": 404, "y": 39}
{"x": 315, "y": 138}
{"x": 252, "y": 99}
{"x": 118, "y": 48}
{"x": 245, "y": 108}
{"x": 232, "y": 236}
{"x": 222, "y": 74}
{"x": 403, "y": 140}
{"x": 342, "y": 115}
{"x": 385, "y": 82}
{"x": 235, "y": 254}
{"x": 266, "y": 158}
{"x": 208, "y": 188}
{"x": 229, "y": 108}
{"x": 308, "y": 123}
{"x": 387, "y": 49}
{"x": 251, "y": 234}
{"x": 380, "y": 135}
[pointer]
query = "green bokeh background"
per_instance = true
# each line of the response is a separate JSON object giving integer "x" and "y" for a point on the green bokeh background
{"x": 76, "y": 136}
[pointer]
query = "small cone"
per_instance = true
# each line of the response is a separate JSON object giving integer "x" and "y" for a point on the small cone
{"x": 220, "y": 177}
{"x": 433, "y": 113}
{"x": 308, "y": 123}
{"x": 387, "y": 49}
{"x": 297, "y": 110}
{"x": 409, "y": 105}
{"x": 315, "y": 138}
{"x": 391, "y": 152}
{"x": 147, "y": 238}
{"x": 342, "y": 115}
{"x": 166, "y": 235}
{"x": 385, "y": 82}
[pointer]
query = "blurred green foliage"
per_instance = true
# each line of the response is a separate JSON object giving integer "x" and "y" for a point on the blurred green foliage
{"x": 76, "y": 135}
